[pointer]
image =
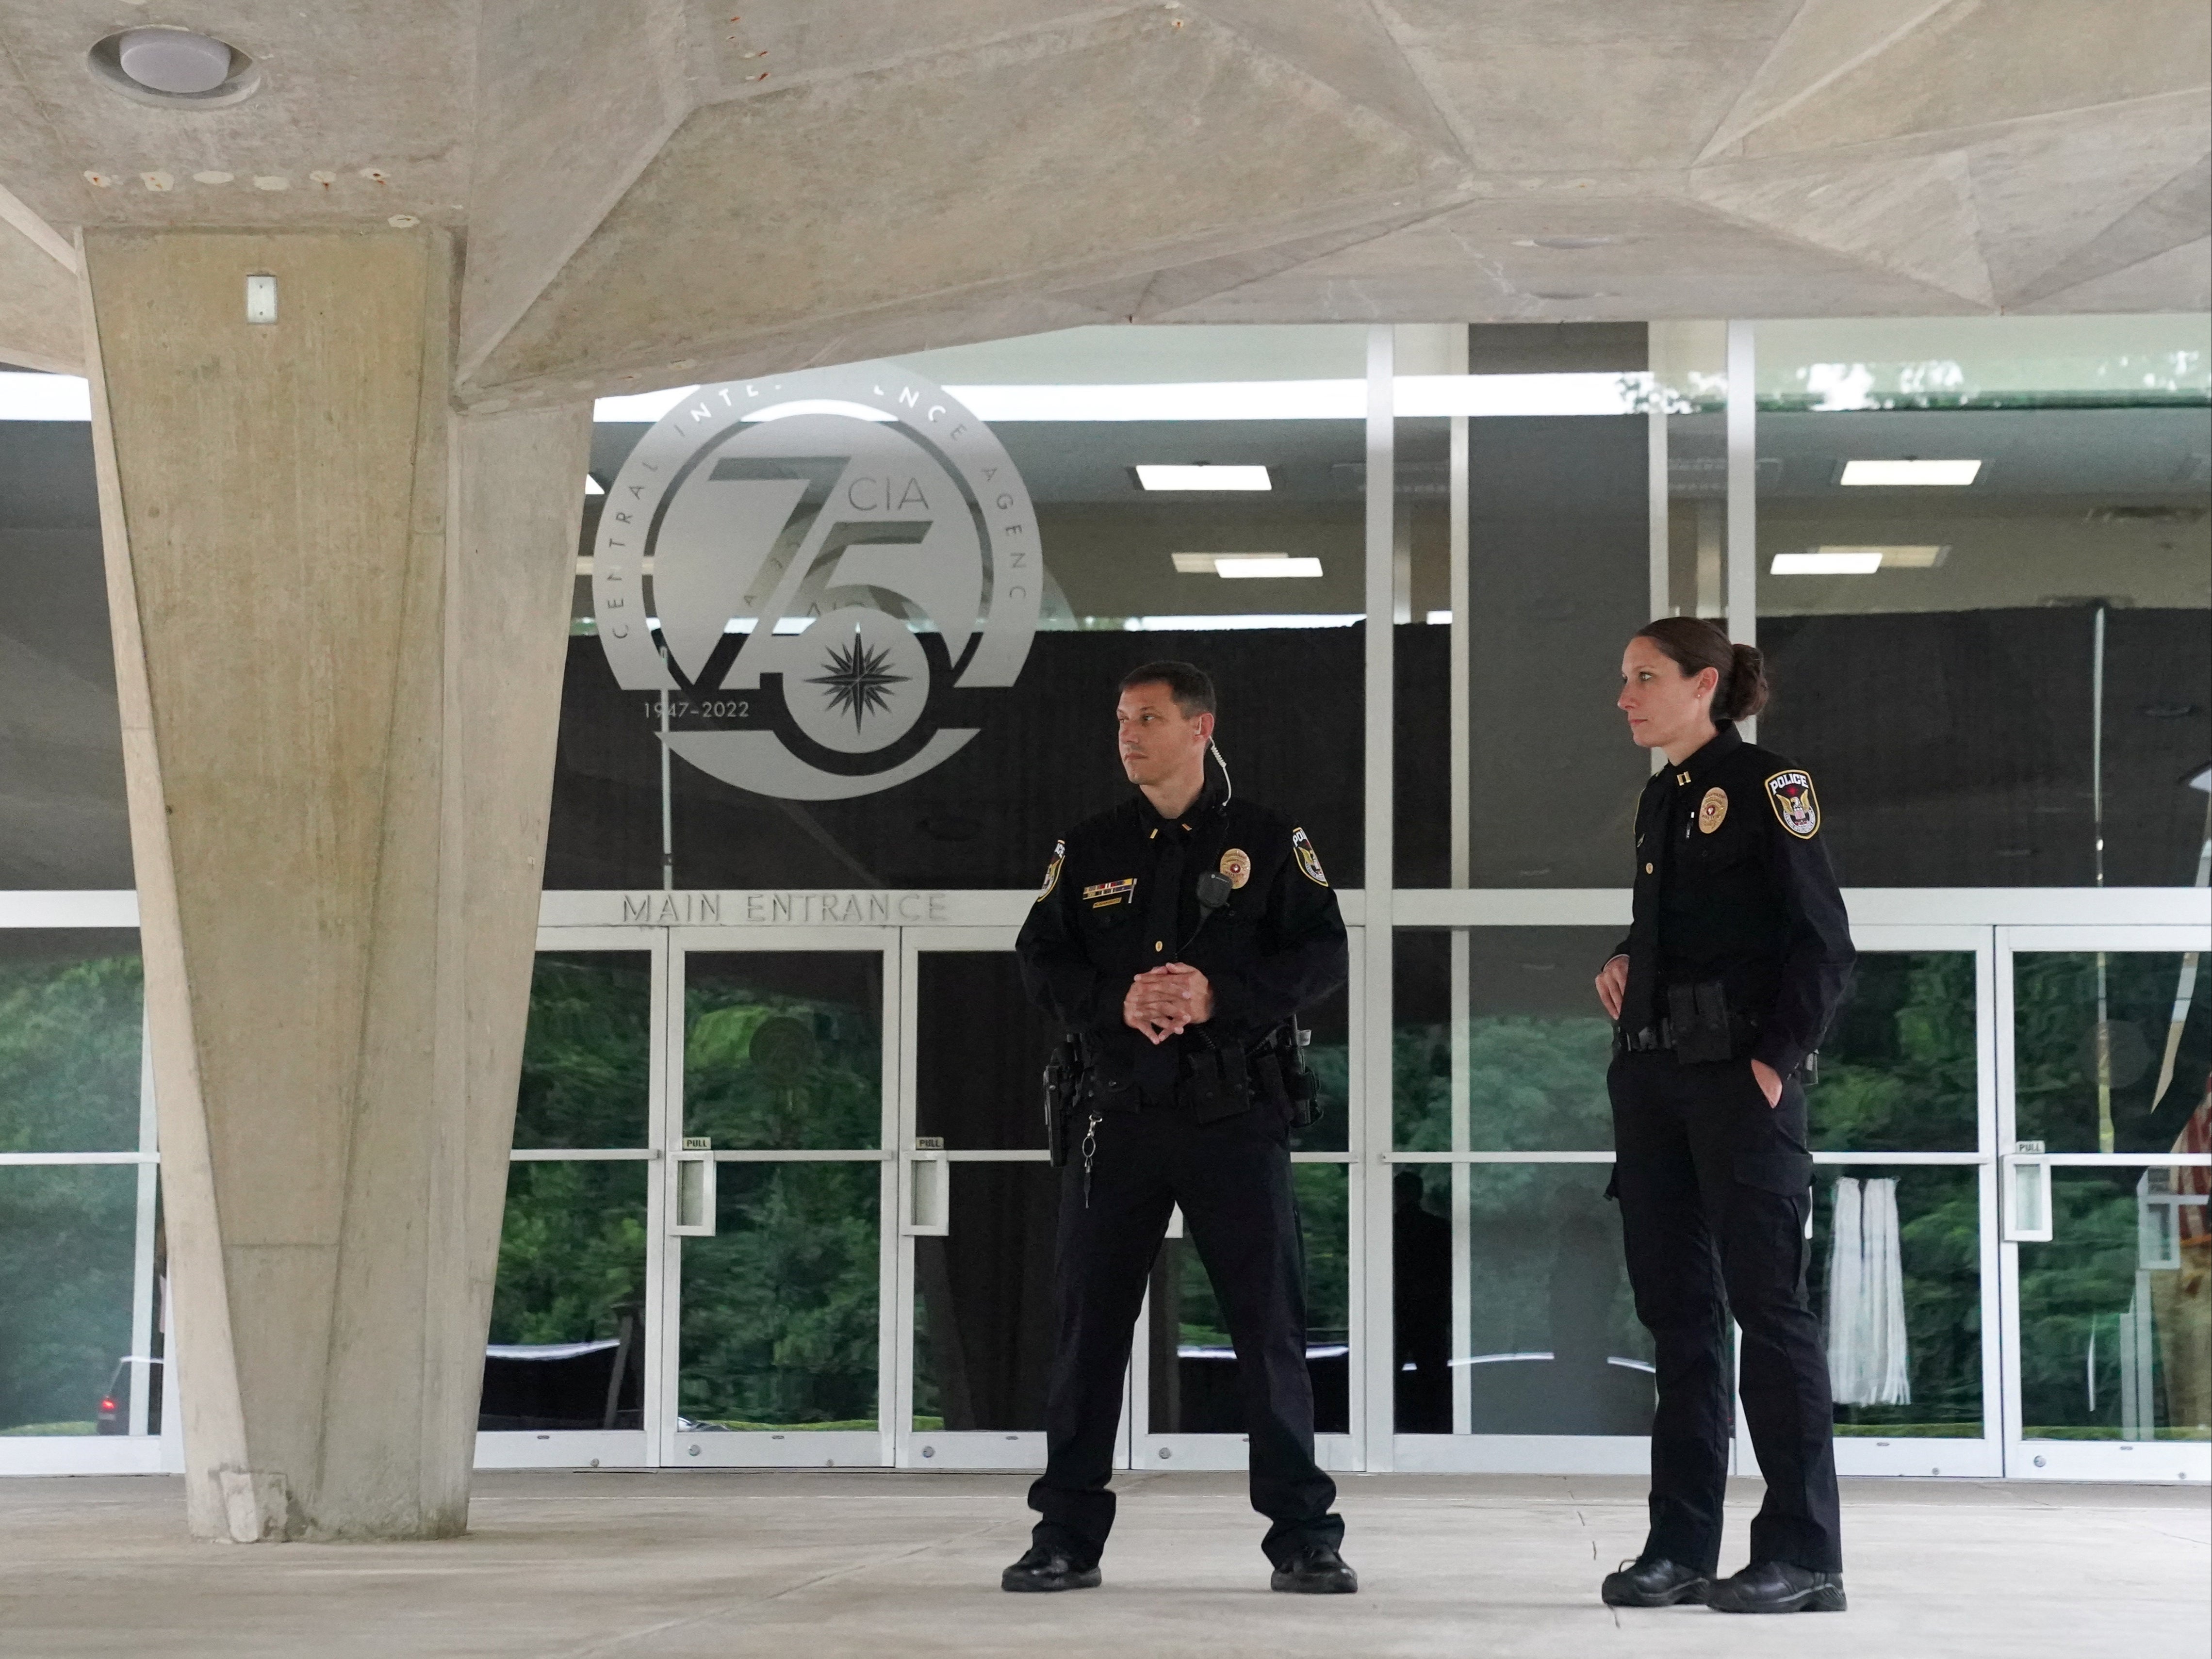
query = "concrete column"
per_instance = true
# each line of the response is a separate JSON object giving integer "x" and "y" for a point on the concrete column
{"x": 340, "y": 614}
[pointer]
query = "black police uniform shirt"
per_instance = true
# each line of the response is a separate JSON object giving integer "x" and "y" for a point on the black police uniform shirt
{"x": 1120, "y": 897}
{"x": 1734, "y": 883}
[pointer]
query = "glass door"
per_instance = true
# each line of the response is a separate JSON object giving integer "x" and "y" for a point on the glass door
{"x": 1186, "y": 1411}
{"x": 2106, "y": 1054}
{"x": 1902, "y": 1265}
{"x": 570, "y": 1371}
{"x": 979, "y": 1208}
{"x": 777, "y": 1197}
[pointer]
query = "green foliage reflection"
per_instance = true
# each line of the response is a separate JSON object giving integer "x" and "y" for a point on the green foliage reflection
{"x": 779, "y": 1308}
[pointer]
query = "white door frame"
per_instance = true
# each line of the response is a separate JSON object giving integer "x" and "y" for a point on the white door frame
{"x": 636, "y": 1447}
{"x": 939, "y": 1448}
{"x": 797, "y": 1448}
{"x": 2079, "y": 1460}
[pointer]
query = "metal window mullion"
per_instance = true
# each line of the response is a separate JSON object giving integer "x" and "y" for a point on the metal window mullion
{"x": 1743, "y": 495}
{"x": 1373, "y": 1375}
{"x": 1461, "y": 1083}
{"x": 1994, "y": 1391}
{"x": 664, "y": 1311}
{"x": 1661, "y": 600}
{"x": 2005, "y": 1115}
{"x": 142, "y": 1270}
{"x": 894, "y": 1251}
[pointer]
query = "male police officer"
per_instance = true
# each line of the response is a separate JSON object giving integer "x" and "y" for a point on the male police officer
{"x": 1175, "y": 937}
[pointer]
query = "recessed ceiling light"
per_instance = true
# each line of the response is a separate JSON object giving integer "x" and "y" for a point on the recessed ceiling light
{"x": 1264, "y": 564}
{"x": 174, "y": 67}
{"x": 173, "y": 60}
{"x": 1245, "y": 565}
{"x": 1439, "y": 618}
{"x": 1911, "y": 558}
{"x": 1915, "y": 473}
{"x": 1203, "y": 477}
{"x": 1828, "y": 562}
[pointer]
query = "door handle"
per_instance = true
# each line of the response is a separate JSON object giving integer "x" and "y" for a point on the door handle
{"x": 928, "y": 1195}
{"x": 695, "y": 1193}
{"x": 2026, "y": 1195}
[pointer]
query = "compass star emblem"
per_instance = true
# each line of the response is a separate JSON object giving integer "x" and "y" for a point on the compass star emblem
{"x": 859, "y": 680}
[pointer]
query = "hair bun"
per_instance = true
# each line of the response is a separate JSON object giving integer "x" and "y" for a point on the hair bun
{"x": 1747, "y": 689}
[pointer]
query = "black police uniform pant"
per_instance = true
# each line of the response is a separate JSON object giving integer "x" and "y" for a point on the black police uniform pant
{"x": 1715, "y": 1187}
{"x": 1232, "y": 1178}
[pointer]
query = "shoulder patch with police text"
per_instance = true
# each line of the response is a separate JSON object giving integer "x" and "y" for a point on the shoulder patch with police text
{"x": 1308, "y": 860}
{"x": 1790, "y": 794}
{"x": 1052, "y": 870}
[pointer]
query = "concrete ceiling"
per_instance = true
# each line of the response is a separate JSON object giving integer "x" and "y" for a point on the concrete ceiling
{"x": 657, "y": 191}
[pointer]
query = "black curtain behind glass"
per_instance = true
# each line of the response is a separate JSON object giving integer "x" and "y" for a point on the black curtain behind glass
{"x": 988, "y": 817}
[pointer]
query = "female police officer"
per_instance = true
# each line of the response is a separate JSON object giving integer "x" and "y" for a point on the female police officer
{"x": 1734, "y": 965}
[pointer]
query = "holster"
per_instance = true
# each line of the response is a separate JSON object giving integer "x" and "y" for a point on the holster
{"x": 1066, "y": 1072}
{"x": 1216, "y": 1084}
{"x": 1701, "y": 1024}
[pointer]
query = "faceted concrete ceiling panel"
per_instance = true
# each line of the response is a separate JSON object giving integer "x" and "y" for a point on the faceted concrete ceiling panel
{"x": 651, "y": 190}
{"x": 1036, "y": 178}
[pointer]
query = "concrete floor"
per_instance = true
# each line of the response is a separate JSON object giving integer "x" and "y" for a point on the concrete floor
{"x": 822, "y": 1565}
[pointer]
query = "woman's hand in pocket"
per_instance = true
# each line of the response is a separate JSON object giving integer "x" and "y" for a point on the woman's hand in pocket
{"x": 1769, "y": 1081}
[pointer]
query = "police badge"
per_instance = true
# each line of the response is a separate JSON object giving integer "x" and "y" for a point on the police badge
{"x": 1307, "y": 860}
{"x": 1790, "y": 794}
{"x": 1236, "y": 865}
{"x": 1711, "y": 809}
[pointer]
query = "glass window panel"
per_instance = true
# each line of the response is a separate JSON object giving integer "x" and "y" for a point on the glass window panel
{"x": 1286, "y": 650}
{"x": 1951, "y": 699}
{"x": 68, "y": 1234}
{"x": 586, "y": 1057}
{"x": 1538, "y": 1042}
{"x": 1556, "y": 1348}
{"x": 71, "y": 1015}
{"x": 2091, "y": 1031}
{"x": 64, "y": 822}
{"x": 981, "y": 1047}
{"x": 1559, "y": 572}
{"x": 983, "y": 1301}
{"x": 783, "y": 1049}
{"x": 1898, "y": 1071}
{"x": 1896, "y": 1281}
{"x": 2115, "y": 1340}
{"x": 567, "y": 1317}
{"x": 779, "y": 1307}
{"x": 1194, "y": 1367}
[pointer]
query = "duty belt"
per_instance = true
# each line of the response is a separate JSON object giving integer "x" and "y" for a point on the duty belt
{"x": 1651, "y": 1039}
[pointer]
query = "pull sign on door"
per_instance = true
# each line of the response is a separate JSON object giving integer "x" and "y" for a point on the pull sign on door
{"x": 261, "y": 299}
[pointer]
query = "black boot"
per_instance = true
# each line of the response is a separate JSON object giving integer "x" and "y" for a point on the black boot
{"x": 1653, "y": 1581}
{"x": 1314, "y": 1570}
{"x": 1779, "y": 1586}
{"x": 1048, "y": 1568}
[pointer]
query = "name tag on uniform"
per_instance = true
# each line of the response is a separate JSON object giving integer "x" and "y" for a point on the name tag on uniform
{"x": 1106, "y": 893}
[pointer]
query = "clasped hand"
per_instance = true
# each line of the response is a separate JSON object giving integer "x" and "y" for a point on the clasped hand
{"x": 1162, "y": 1000}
